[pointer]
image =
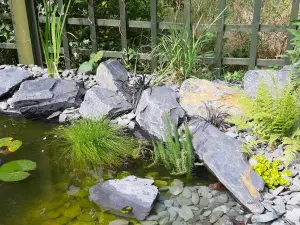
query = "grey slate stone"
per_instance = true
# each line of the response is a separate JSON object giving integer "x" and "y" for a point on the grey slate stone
{"x": 99, "y": 102}
{"x": 186, "y": 213}
{"x": 130, "y": 191}
{"x": 11, "y": 78}
{"x": 253, "y": 78}
{"x": 41, "y": 98}
{"x": 222, "y": 156}
{"x": 113, "y": 76}
{"x": 293, "y": 216}
{"x": 264, "y": 218}
{"x": 151, "y": 109}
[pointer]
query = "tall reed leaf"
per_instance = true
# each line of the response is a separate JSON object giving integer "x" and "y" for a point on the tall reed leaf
{"x": 51, "y": 36}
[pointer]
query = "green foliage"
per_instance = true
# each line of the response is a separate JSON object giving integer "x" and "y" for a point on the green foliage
{"x": 270, "y": 173}
{"x": 51, "y": 37}
{"x": 91, "y": 65}
{"x": 9, "y": 144}
{"x": 126, "y": 210}
{"x": 179, "y": 51}
{"x": 248, "y": 147}
{"x": 271, "y": 116}
{"x": 89, "y": 144}
{"x": 294, "y": 54}
{"x": 16, "y": 170}
{"x": 177, "y": 153}
{"x": 292, "y": 147}
{"x": 236, "y": 77}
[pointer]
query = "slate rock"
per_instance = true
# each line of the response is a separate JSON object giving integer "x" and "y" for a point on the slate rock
{"x": 149, "y": 223}
{"x": 176, "y": 187}
{"x": 119, "y": 222}
{"x": 131, "y": 191}
{"x": 155, "y": 102}
{"x": 195, "y": 198}
{"x": 11, "y": 78}
{"x": 196, "y": 95}
{"x": 186, "y": 213}
{"x": 113, "y": 76}
{"x": 224, "y": 220}
{"x": 41, "y": 98}
{"x": 215, "y": 216}
{"x": 184, "y": 201}
{"x": 293, "y": 216}
{"x": 279, "y": 209}
{"x": 264, "y": 218}
{"x": 221, "y": 154}
{"x": 99, "y": 102}
{"x": 253, "y": 78}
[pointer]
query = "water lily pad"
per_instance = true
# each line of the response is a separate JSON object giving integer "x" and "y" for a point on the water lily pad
{"x": 5, "y": 141}
{"x": 14, "y": 145}
{"x": 18, "y": 165}
{"x": 13, "y": 176}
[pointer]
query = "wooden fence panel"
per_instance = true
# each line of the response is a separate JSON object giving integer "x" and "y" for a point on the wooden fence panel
{"x": 220, "y": 28}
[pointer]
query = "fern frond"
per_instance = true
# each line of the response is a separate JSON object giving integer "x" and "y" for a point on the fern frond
{"x": 292, "y": 147}
{"x": 247, "y": 148}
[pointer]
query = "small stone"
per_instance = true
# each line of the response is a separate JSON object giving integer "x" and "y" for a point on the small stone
{"x": 149, "y": 223}
{"x": 295, "y": 200}
{"x": 195, "y": 198}
{"x": 277, "y": 191}
{"x": 222, "y": 208}
{"x": 72, "y": 191}
{"x": 176, "y": 187}
{"x": 186, "y": 213}
{"x": 119, "y": 222}
{"x": 184, "y": 201}
{"x": 279, "y": 209}
{"x": 159, "y": 207}
{"x": 163, "y": 217}
{"x": 224, "y": 220}
{"x": 152, "y": 218}
{"x": 206, "y": 213}
{"x": 203, "y": 191}
{"x": 293, "y": 216}
{"x": 264, "y": 218}
{"x": 204, "y": 202}
{"x": 223, "y": 198}
{"x": 169, "y": 203}
{"x": 215, "y": 216}
{"x": 131, "y": 125}
{"x": 173, "y": 214}
{"x": 187, "y": 193}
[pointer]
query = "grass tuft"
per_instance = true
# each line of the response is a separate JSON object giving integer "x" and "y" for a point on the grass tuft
{"x": 89, "y": 144}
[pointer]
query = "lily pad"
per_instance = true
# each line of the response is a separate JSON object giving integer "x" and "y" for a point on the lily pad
{"x": 13, "y": 176}
{"x": 18, "y": 165}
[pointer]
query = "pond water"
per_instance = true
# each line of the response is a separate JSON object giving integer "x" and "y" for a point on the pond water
{"x": 42, "y": 199}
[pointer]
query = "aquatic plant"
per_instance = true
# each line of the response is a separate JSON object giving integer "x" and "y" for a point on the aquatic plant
{"x": 16, "y": 170}
{"x": 9, "y": 145}
{"x": 176, "y": 154}
{"x": 51, "y": 36}
{"x": 89, "y": 144}
{"x": 270, "y": 173}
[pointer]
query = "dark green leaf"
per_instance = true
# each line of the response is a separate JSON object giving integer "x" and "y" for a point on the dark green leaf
{"x": 14, "y": 176}
{"x": 18, "y": 165}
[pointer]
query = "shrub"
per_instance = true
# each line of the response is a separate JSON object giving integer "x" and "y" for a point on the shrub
{"x": 270, "y": 173}
{"x": 271, "y": 116}
{"x": 176, "y": 155}
{"x": 89, "y": 144}
{"x": 292, "y": 147}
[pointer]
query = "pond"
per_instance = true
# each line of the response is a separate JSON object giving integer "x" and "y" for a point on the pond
{"x": 43, "y": 197}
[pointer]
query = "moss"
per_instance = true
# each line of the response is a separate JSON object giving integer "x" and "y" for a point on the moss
{"x": 87, "y": 217}
{"x": 270, "y": 173}
{"x": 160, "y": 183}
{"x": 72, "y": 212}
{"x": 53, "y": 214}
{"x": 123, "y": 174}
{"x": 105, "y": 218}
{"x": 62, "y": 220}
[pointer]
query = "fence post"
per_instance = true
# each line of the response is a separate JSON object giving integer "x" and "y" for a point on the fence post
{"x": 153, "y": 32}
{"x": 93, "y": 25}
{"x": 123, "y": 25}
{"x": 254, "y": 35}
{"x": 22, "y": 33}
{"x": 65, "y": 40}
{"x": 220, "y": 39}
{"x": 294, "y": 16}
{"x": 34, "y": 32}
{"x": 187, "y": 15}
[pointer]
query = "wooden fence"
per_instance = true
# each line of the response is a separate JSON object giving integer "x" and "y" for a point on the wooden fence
{"x": 220, "y": 28}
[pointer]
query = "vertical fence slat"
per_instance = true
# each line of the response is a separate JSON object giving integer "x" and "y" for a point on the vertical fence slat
{"x": 294, "y": 16}
{"x": 255, "y": 33}
{"x": 153, "y": 32}
{"x": 123, "y": 24}
{"x": 65, "y": 41}
{"x": 187, "y": 14}
{"x": 34, "y": 33}
{"x": 220, "y": 39}
{"x": 93, "y": 25}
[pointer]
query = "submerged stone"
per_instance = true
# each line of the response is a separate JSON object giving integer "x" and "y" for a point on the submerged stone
{"x": 87, "y": 217}
{"x": 115, "y": 195}
{"x": 221, "y": 154}
{"x": 72, "y": 212}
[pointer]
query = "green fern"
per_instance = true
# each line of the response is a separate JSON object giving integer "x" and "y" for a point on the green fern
{"x": 247, "y": 147}
{"x": 292, "y": 147}
{"x": 271, "y": 116}
{"x": 175, "y": 155}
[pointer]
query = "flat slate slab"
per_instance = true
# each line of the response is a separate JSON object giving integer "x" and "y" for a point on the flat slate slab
{"x": 11, "y": 78}
{"x": 221, "y": 154}
{"x": 99, "y": 102}
{"x": 114, "y": 195}
{"x": 42, "y": 97}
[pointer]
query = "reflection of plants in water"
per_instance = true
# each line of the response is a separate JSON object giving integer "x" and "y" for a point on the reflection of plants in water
{"x": 14, "y": 170}
{"x": 89, "y": 144}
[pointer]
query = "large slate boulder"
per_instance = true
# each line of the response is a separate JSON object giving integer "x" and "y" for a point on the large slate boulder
{"x": 197, "y": 96}
{"x": 221, "y": 154}
{"x": 131, "y": 191}
{"x": 113, "y": 76}
{"x": 99, "y": 102}
{"x": 154, "y": 104}
{"x": 40, "y": 98}
{"x": 253, "y": 78}
{"x": 11, "y": 78}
